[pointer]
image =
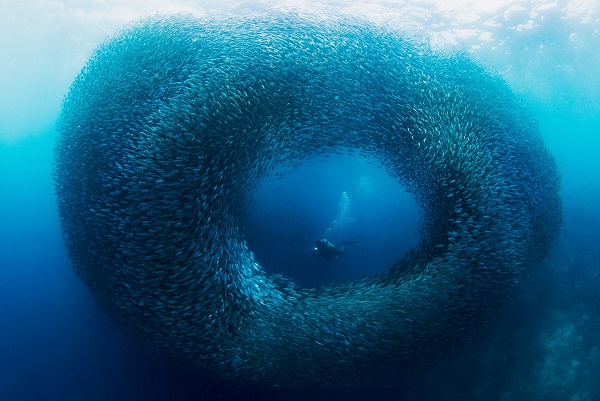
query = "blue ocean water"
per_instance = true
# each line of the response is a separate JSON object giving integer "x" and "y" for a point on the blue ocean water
{"x": 56, "y": 345}
{"x": 342, "y": 199}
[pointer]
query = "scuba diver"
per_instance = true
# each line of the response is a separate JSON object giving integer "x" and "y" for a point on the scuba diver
{"x": 327, "y": 250}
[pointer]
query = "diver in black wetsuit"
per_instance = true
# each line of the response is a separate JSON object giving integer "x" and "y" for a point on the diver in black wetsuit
{"x": 327, "y": 250}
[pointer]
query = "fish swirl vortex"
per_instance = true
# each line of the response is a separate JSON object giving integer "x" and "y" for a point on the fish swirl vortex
{"x": 173, "y": 122}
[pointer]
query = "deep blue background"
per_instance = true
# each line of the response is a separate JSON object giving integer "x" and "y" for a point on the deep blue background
{"x": 340, "y": 198}
{"x": 55, "y": 345}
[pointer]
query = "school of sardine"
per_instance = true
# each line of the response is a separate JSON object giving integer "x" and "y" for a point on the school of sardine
{"x": 172, "y": 124}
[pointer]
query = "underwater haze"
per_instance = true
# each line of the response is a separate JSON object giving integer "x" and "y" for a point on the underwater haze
{"x": 56, "y": 344}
